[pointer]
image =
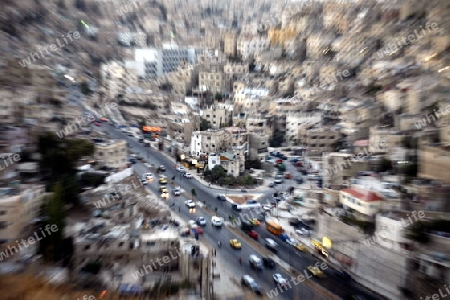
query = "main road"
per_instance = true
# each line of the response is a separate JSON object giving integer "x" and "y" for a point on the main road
{"x": 298, "y": 260}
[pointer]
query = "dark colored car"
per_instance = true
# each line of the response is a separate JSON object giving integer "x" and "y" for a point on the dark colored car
{"x": 253, "y": 234}
{"x": 294, "y": 221}
{"x": 246, "y": 226}
{"x": 221, "y": 198}
{"x": 162, "y": 168}
{"x": 268, "y": 262}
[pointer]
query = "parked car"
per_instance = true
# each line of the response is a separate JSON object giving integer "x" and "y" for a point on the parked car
{"x": 181, "y": 169}
{"x": 188, "y": 175}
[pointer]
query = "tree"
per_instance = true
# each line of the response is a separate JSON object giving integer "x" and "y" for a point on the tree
{"x": 218, "y": 172}
{"x": 277, "y": 139}
{"x": 84, "y": 88}
{"x": 219, "y": 96}
{"x": 385, "y": 165}
{"x": 204, "y": 125}
{"x": 52, "y": 246}
{"x": 418, "y": 232}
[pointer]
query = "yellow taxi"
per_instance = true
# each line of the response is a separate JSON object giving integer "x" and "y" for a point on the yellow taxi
{"x": 315, "y": 271}
{"x": 234, "y": 243}
{"x": 162, "y": 180}
{"x": 300, "y": 247}
{"x": 255, "y": 222}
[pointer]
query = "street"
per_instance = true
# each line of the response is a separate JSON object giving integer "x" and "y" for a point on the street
{"x": 300, "y": 261}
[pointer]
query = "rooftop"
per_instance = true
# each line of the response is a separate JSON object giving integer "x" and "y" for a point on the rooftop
{"x": 363, "y": 195}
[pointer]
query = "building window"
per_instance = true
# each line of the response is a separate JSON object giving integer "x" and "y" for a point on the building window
{"x": 87, "y": 247}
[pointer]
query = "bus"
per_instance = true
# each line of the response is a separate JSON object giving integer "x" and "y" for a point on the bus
{"x": 274, "y": 228}
{"x": 238, "y": 207}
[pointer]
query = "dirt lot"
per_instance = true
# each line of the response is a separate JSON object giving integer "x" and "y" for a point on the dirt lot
{"x": 241, "y": 199}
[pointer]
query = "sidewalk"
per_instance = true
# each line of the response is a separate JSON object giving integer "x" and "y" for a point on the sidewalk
{"x": 214, "y": 186}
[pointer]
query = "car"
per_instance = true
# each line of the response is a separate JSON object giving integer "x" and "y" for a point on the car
{"x": 294, "y": 221}
{"x": 162, "y": 180}
{"x": 192, "y": 223}
{"x": 279, "y": 279}
{"x": 315, "y": 271}
{"x": 97, "y": 124}
{"x": 162, "y": 168}
{"x": 181, "y": 169}
{"x": 291, "y": 242}
{"x": 271, "y": 244}
{"x": 287, "y": 175}
{"x": 268, "y": 262}
{"x": 201, "y": 221}
{"x": 249, "y": 282}
{"x": 300, "y": 247}
{"x": 148, "y": 176}
{"x": 303, "y": 231}
{"x": 221, "y": 198}
{"x": 198, "y": 230}
{"x": 162, "y": 188}
{"x": 216, "y": 221}
{"x": 246, "y": 225}
{"x": 267, "y": 207}
{"x": 252, "y": 234}
{"x": 190, "y": 203}
{"x": 235, "y": 244}
{"x": 255, "y": 222}
{"x": 144, "y": 181}
{"x": 176, "y": 192}
{"x": 272, "y": 184}
{"x": 278, "y": 179}
{"x": 165, "y": 194}
{"x": 294, "y": 160}
{"x": 261, "y": 217}
{"x": 252, "y": 202}
{"x": 188, "y": 175}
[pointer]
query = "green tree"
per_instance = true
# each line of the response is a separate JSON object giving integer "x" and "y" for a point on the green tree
{"x": 84, "y": 88}
{"x": 277, "y": 139}
{"x": 52, "y": 245}
{"x": 418, "y": 232}
{"x": 218, "y": 96}
{"x": 385, "y": 165}
{"x": 204, "y": 125}
{"x": 218, "y": 172}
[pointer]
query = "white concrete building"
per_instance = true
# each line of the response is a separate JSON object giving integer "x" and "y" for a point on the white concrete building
{"x": 247, "y": 46}
{"x": 112, "y": 153}
{"x": 210, "y": 141}
{"x": 117, "y": 77}
{"x": 153, "y": 62}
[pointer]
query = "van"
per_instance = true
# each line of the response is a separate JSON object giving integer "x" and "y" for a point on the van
{"x": 255, "y": 262}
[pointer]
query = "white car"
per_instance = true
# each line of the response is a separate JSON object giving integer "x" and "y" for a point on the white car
{"x": 201, "y": 221}
{"x": 291, "y": 242}
{"x": 216, "y": 221}
{"x": 192, "y": 223}
{"x": 148, "y": 176}
{"x": 303, "y": 231}
{"x": 176, "y": 192}
{"x": 181, "y": 169}
{"x": 165, "y": 195}
{"x": 267, "y": 207}
{"x": 279, "y": 279}
{"x": 190, "y": 203}
{"x": 188, "y": 175}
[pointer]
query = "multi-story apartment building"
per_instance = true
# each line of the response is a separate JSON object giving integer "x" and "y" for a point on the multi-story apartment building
{"x": 230, "y": 44}
{"x": 434, "y": 161}
{"x": 233, "y": 70}
{"x": 213, "y": 81}
{"x": 180, "y": 129}
{"x": 217, "y": 117}
{"x": 258, "y": 144}
{"x": 247, "y": 46}
{"x": 295, "y": 121}
{"x": 184, "y": 79}
{"x": 318, "y": 139}
{"x": 112, "y": 153}
{"x": 19, "y": 206}
{"x": 317, "y": 44}
{"x": 252, "y": 98}
{"x": 391, "y": 138}
{"x": 152, "y": 63}
{"x": 364, "y": 202}
{"x": 340, "y": 167}
{"x": 233, "y": 161}
{"x": 284, "y": 106}
{"x": 280, "y": 36}
{"x": 116, "y": 77}
{"x": 138, "y": 39}
{"x": 210, "y": 141}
